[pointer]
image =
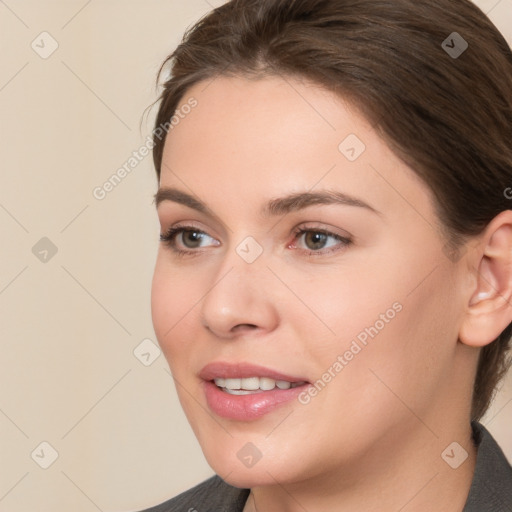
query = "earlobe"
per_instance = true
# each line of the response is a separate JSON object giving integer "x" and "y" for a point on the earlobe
{"x": 489, "y": 309}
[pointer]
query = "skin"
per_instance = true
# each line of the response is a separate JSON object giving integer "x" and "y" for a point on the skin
{"x": 372, "y": 439}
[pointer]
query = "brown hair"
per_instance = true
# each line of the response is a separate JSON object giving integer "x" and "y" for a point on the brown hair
{"x": 447, "y": 116}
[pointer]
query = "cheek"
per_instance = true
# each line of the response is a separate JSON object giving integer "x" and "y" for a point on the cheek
{"x": 173, "y": 296}
{"x": 341, "y": 305}
{"x": 403, "y": 354}
{"x": 388, "y": 319}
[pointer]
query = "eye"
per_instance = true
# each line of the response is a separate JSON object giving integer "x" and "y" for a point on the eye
{"x": 188, "y": 237}
{"x": 316, "y": 240}
{"x": 185, "y": 240}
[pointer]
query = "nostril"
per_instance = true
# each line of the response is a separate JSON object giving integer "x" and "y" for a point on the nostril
{"x": 244, "y": 327}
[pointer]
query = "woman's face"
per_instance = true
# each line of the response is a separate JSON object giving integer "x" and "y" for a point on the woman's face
{"x": 312, "y": 270}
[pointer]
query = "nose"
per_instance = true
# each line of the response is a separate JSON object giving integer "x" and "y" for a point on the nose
{"x": 240, "y": 299}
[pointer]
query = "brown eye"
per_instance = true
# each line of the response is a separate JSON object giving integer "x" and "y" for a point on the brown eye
{"x": 315, "y": 240}
{"x": 191, "y": 238}
{"x": 318, "y": 242}
{"x": 186, "y": 239}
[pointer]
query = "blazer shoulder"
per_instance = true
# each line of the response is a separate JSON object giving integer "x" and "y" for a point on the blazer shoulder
{"x": 491, "y": 488}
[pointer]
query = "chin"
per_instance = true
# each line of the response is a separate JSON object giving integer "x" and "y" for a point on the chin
{"x": 248, "y": 478}
{"x": 267, "y": 470}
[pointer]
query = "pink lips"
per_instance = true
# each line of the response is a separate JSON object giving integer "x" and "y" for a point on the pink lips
{"x": 246, "y": 407}
{"x": 242, "y": 370}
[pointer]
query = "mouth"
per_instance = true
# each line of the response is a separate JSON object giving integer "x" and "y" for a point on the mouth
{"x": 245, "y": 392}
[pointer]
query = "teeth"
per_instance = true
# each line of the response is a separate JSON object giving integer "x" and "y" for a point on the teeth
{"x": 233, "y": 383}
{"x": 267, "y": 384}
{"x": 250, "y": 384}
{"x": 238, "y": 391}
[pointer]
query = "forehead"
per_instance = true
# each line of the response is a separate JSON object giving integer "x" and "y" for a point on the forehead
{"x": 272, "y": 135}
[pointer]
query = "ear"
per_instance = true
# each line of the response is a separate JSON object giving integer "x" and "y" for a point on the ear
{"x": 489, "y": 310}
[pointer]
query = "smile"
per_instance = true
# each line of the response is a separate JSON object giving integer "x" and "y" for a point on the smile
{"x": 245, "y": 392}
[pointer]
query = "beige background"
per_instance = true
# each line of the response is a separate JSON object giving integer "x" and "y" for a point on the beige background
{"x": 69, "y": 325}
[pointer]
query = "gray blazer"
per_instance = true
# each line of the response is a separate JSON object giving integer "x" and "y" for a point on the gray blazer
{"x": 491, "y": 488}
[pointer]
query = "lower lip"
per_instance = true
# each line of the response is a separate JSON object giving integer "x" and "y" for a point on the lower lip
{"x": 247, "y": 407}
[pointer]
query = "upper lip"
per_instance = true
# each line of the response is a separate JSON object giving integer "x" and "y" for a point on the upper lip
{"x": 241, "y": 370}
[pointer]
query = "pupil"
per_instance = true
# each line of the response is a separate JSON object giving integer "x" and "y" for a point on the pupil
{"x": 317, "y": 239}
{"x": 193, "y": 237}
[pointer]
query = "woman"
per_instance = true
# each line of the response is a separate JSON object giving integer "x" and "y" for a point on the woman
{"x": 332, "y": 291}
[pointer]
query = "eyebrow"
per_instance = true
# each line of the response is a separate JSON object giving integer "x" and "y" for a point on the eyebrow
{"x": 279, "y": 206}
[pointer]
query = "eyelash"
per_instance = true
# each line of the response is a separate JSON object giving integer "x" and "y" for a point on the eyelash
{"x": 169, "y": 239}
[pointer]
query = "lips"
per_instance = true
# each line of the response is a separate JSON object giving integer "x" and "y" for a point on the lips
{"x": 243, "y": 370}
{"x": 245, "y": 392}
